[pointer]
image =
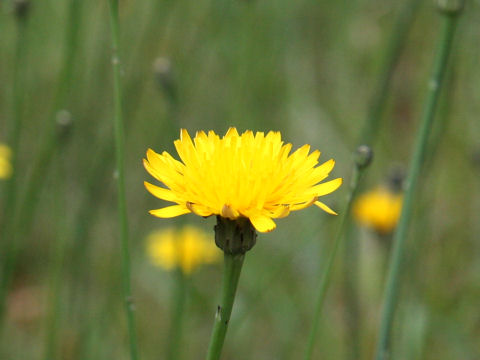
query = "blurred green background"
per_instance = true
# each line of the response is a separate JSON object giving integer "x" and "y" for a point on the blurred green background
{"x": 309, "y": 69}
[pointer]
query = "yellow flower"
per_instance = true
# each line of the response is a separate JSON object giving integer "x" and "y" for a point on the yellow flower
{"x": 378, "y": 209}
{"x": 5, "y": 166}
{"x": 251, "y": 176}
{"x": 186, "y": 249}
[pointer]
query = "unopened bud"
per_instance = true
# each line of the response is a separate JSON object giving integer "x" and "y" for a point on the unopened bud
{"x": 64, "y": 124}
{"x": 396, "y": 178}
{"x": 363, "y": 156}
{"x": 450, "y": 7}
{"x": 21, "y": 8}
{"x": 476, "y": 158}
{"x": 162, "y": 68}
{"x": 234, "y": 236}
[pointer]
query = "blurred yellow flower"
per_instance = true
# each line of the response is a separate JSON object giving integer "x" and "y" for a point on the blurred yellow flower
{"x": 5, "y": 166}
{"x": 378, "y": 209}
{"x": 185, "y": 248}
{"x": 251, "y": 176}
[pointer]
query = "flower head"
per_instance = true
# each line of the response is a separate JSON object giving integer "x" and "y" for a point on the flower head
{"x": 5, "y": 166}
{"x": 247, "y": 175}
{"x": 378, "y": 209}
{"x": 185, "y": 248}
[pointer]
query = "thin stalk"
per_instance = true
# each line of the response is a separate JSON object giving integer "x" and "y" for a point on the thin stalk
{"x": 7, "y": 230}
{"x": 56, "y": 267}
{"x": 120, "y": 159}
{"x": 449, "y": 20}
{"x": 93, "y": 190}
{"x": 368, "y": 136}
{"x": 178, "y": 309}
{"x": 351, "y": 265}
{"x": 50, "y": 142}
{"x": 395, "y": 47}
{"x": 232, "y": 267}
{"x": 21, "y": 224}
{"x": 275, "y": 270}
{"x": 326, "y": 274}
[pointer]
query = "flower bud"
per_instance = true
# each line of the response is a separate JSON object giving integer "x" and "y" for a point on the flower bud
{"x": 450, "y": 7}
{"x": 162, "y": 68}
{"x": 363, "y": 156}
{"x": 396, "y": 178}
{"x": 476, "y": 158}
{"x": 234, "y": 236}
{"x": 64, "y": 124}
{"x": 21, "y": 8}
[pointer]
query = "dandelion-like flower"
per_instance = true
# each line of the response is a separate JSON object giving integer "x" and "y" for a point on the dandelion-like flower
{"x": 5, "y": 165}
{"x": 250, "y": 176}
{"x": 185, "y": 248}
{"x": 379, "y": 209}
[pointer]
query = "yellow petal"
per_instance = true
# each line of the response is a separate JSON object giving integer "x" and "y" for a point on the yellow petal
{"x": 161, "y": 193}
{"x": 231, "y": 132}
{"x": 303, "y": 205}
{"x": 325, "y": 208}
{"x": 302, "y": 152}
{"x": 164, "y": 163}
{"x": 150, "y": 169}
{"x": 199, "y": 209}
{"x": 185, "y": 147}
{"x": 322, "y": 171}
{"x": 164, "y": 175}
{"x": 262, "y": 223}
{"x": 170, "y": 211}
{"x": 229, "y": 212}
{"x": 185, "y": 136}
{"x": 280, "y": 212}
{"x": 326, "y": 187}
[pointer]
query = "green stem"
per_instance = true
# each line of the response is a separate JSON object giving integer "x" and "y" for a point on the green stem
{"x": 51, "y": 143}
{"x": 395, "y": 46}
{"x": 7, "y": 229}
{"x": 232, "y": 267}
{"x": 21, "y": 224}
{"x": 436, "y": 80}
{"x": 178, "y": 309}
{"x": 351, "y": 263}
{"x": 274, "y": 271}
{"x": 326, "y": 274}
{"x": 56, "y": 267}
{"x": 121, "y": 197}
{"x": 93, "y": 190}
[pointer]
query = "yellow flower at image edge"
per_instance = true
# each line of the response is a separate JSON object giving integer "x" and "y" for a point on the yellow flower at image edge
{"x": 247, "y": 175}
{"x": 185, "y": 248}
{"x": 5, "y": 166}
{"x": 378, "y": 209}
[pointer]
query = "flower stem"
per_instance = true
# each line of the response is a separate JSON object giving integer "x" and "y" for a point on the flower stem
{"x": 352, "y": 313}
{"x": 7, "y": 229}
{"x": 178, "y": 309}
{"x": 436, "y": 80}
{"x": 368, "y": 136}
{"x": 232, "y": 267}
{"x": 27, "y": 205}
{"x": 390, "y": 60}
{"x": 57, "y": 260}
{"x": 120, "y": 159}
{"x": 325, "y": 276}
{"x": 50, "y": 142}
